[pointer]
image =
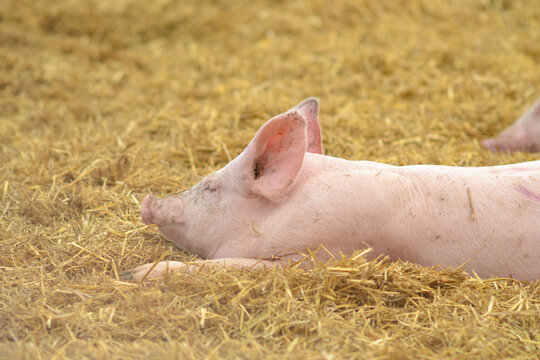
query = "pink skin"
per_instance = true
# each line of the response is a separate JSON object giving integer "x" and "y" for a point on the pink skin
{"x": 523, "y": 135}
{"x": 281, "y": 197}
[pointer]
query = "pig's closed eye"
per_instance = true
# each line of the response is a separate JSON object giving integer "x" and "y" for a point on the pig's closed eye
{"x": 210, "y": 186}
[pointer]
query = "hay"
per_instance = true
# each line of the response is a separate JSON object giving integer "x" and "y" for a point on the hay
{"x": 102, "y": 102}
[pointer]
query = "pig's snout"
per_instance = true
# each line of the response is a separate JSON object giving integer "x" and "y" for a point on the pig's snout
{"x": 146, "y": 210}
{"x": 162, "y": 211}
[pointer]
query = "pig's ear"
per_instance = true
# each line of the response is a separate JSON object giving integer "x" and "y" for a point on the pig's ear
{"x": 309, "y": 109}
{"x": 275, "y": 155}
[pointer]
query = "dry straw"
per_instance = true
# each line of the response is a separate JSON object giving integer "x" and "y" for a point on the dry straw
{"x": 102, "y": 102}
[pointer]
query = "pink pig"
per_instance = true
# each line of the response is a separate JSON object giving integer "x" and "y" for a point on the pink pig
{"x": 281, "y": 197}
{"x": 523, "y": 135}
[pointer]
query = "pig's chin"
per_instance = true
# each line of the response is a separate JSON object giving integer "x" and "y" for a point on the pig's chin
{"x": 174, "y": 232}
{"x": 182, "y": 237}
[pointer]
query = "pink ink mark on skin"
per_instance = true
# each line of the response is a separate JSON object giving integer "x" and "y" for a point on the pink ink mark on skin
{"x": 528, "y": 193}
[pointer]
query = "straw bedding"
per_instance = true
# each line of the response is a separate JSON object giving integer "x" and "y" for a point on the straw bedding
{"x": 102, "y": 102}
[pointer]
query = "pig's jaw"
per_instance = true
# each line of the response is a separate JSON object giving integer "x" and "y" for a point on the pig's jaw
{"x": 169, "y": 214}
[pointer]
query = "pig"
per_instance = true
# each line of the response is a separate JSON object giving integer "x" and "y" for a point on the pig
{"x": 523, "y": 135}
{"x": 281, "y": 197}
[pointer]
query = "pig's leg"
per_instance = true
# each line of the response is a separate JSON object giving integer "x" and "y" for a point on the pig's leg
{"x": 153, "y": 270}
{"x": 523, "y": 135}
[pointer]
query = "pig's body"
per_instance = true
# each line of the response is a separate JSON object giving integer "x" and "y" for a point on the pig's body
{"x": 279, "y": 198}
{"x": 430, "y": 215}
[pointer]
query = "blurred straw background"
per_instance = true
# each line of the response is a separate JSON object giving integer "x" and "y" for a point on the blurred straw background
{"x": 102, "y": 102}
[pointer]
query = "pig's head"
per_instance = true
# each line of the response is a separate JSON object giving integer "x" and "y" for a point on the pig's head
{"x": 220, "y": 207}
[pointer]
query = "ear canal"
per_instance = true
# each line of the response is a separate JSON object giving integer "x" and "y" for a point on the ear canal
{"x": 276, "y": 154}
